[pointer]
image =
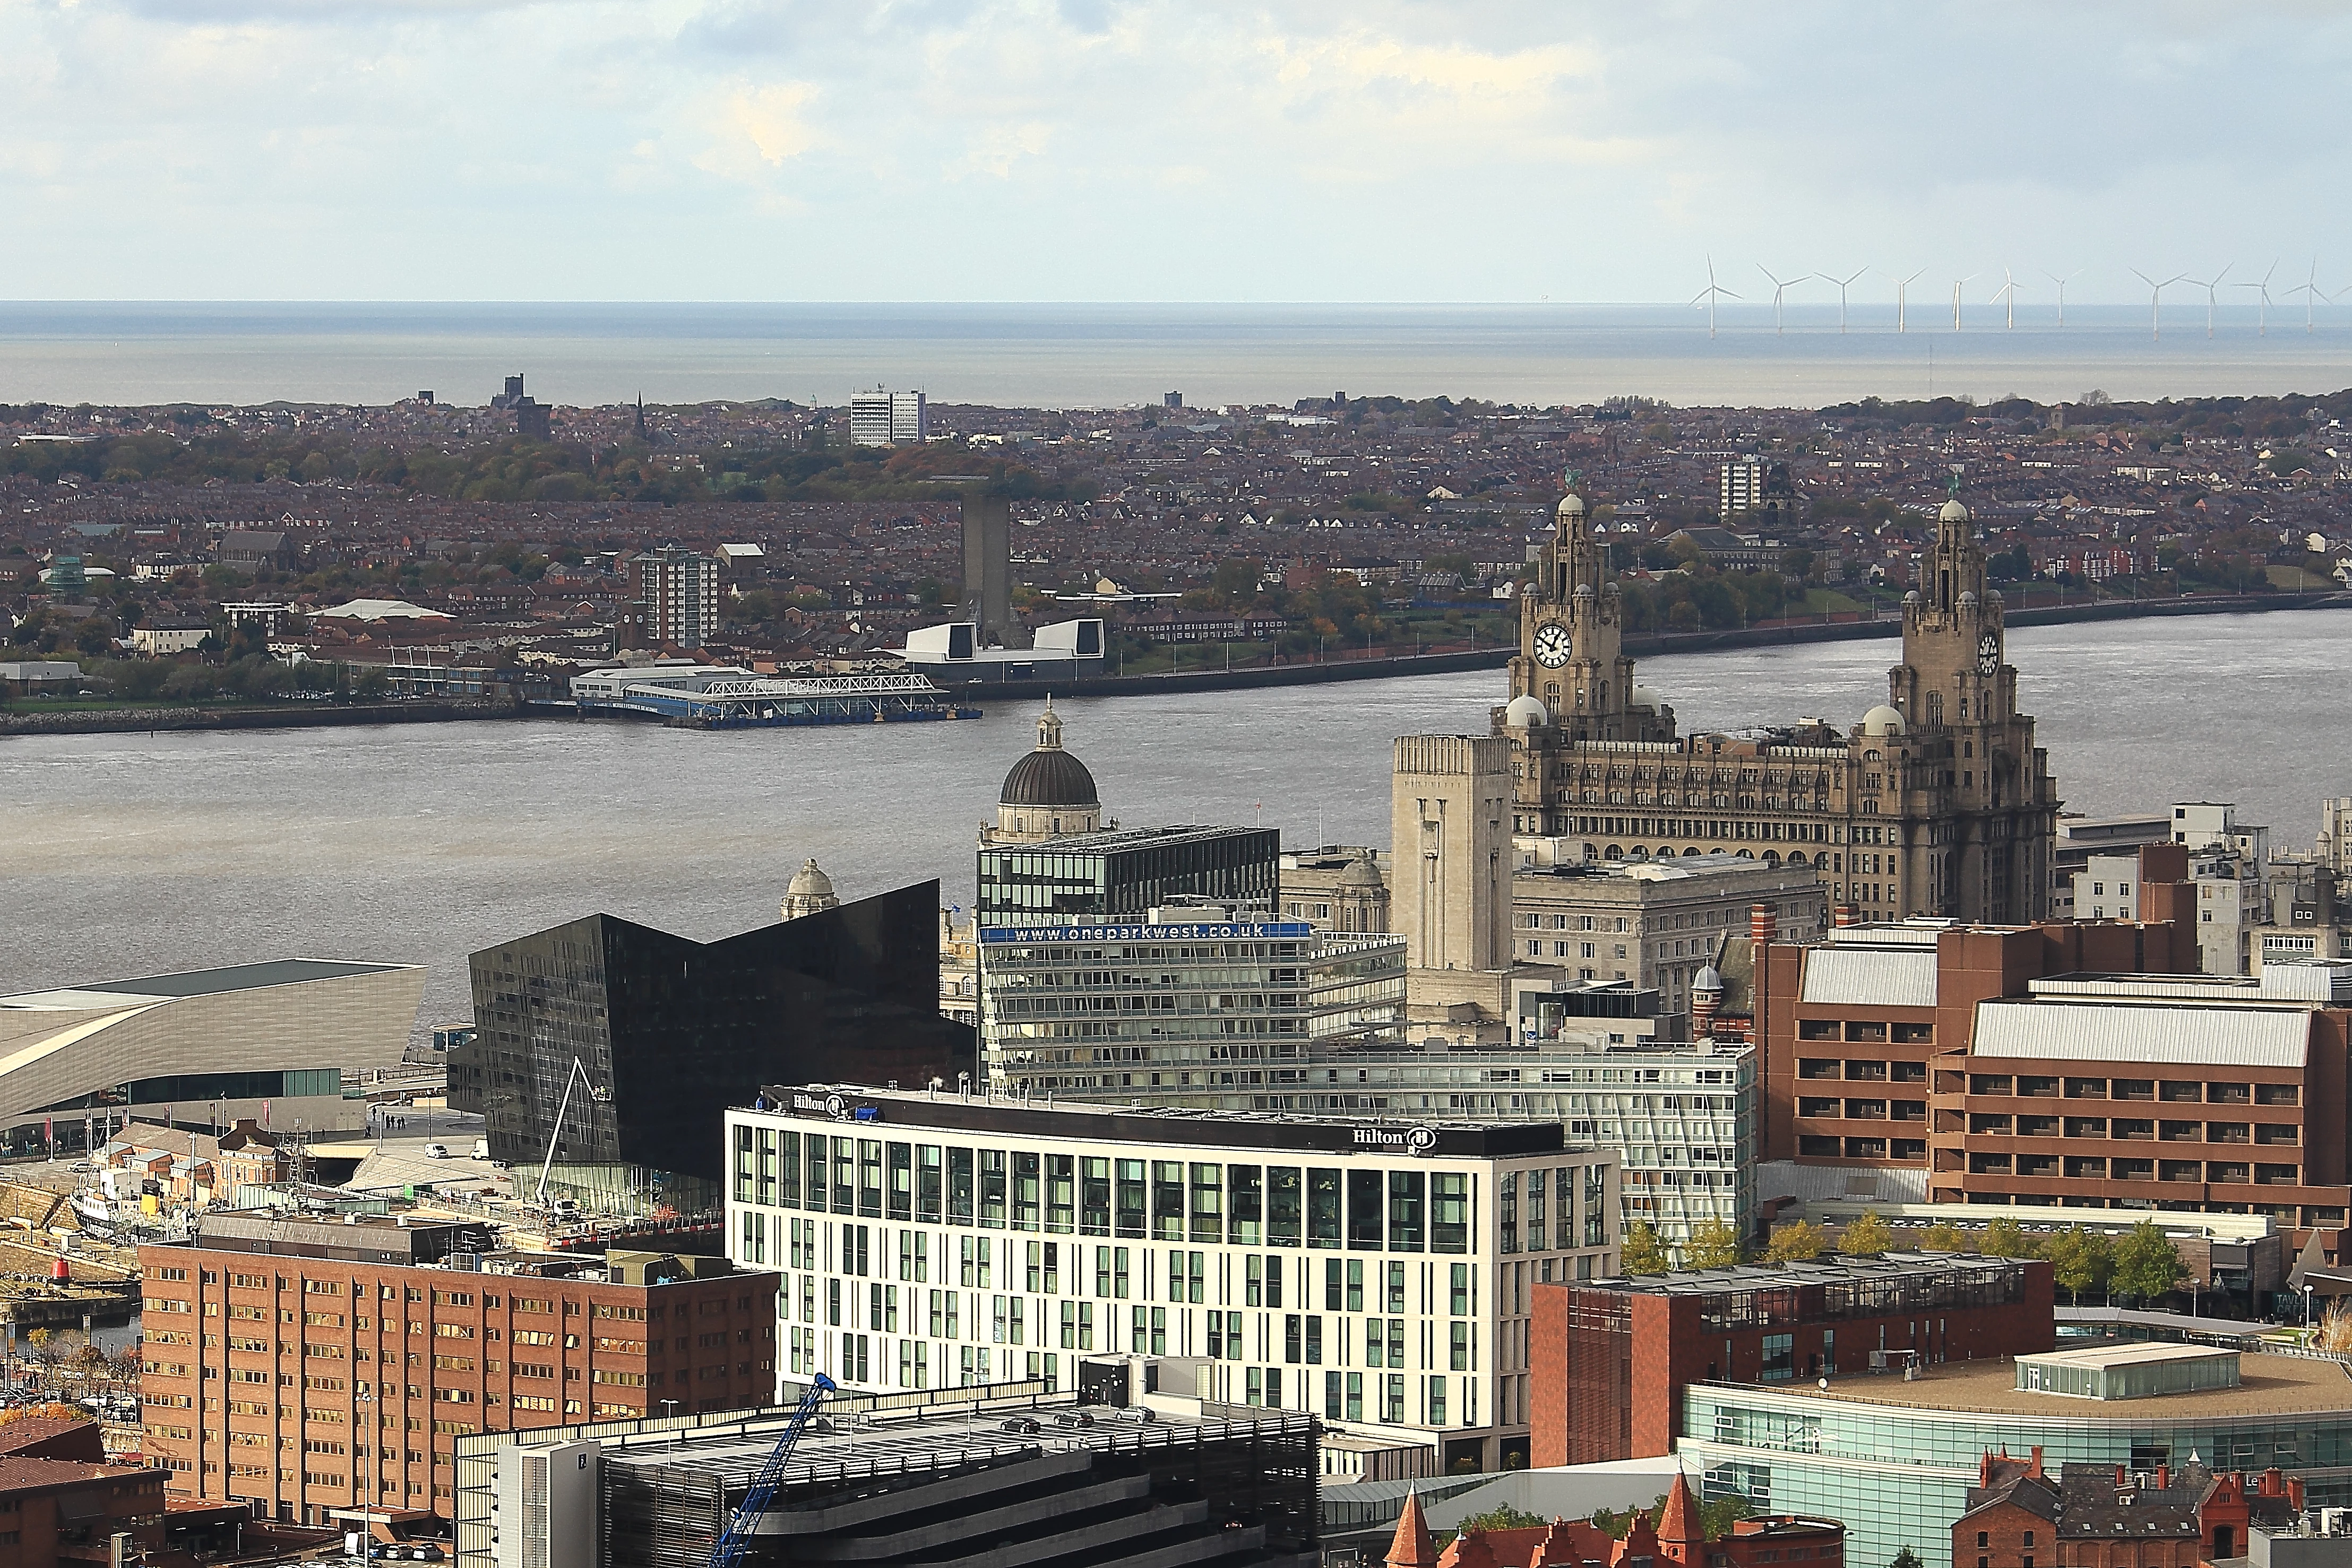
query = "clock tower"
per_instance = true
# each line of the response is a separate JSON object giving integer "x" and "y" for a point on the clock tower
{"x": 1572, "y": 679}
{"x": 1986, "y": 855}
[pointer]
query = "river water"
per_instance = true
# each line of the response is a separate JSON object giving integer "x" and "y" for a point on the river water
{"x": 124, "y": 855}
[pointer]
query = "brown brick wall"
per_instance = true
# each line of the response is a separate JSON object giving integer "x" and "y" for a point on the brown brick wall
{"x": 260, "y": 1400}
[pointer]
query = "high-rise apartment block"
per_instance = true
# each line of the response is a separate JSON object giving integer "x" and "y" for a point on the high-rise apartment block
{"x": 304, "y": 1367}
{"x": 1741, "y": 487}
{"x": 1380, "y": 1274}
{"x": 885, "y": 419}
{"x": 678, "y": 596}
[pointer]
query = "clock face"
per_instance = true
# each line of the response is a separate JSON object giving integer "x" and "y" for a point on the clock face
{"x": 1988, "y": 654}
{"x": 1551, "y": 644}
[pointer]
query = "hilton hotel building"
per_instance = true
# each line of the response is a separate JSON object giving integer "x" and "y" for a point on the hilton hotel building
{"x": 1379, "y": 1275}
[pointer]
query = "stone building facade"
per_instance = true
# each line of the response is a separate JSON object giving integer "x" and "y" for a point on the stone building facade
{"x": 1937, "y": 802}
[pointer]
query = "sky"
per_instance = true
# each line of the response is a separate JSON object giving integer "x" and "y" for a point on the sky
{"x": 1098, "y": 150}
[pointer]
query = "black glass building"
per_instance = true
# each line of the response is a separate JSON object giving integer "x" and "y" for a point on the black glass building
{"x": 1126, "y": 871}
{"x": 624, "y": 1044}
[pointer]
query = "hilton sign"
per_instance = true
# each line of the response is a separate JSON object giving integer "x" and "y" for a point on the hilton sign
{"x": 1398, "y": 1139}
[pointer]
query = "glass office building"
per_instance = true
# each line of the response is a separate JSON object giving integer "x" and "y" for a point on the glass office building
{"x": 1895, "y": 1459}
{"x": 619, "y": 1046}
{"x": 1180, "y": 1009}
{"x": 1126, "y": 871}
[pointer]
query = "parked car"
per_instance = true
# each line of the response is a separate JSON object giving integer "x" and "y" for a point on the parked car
{"x": 436, "y": 1151}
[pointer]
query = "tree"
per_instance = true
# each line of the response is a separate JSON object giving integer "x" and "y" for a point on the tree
{"x": 1714, "y": 1244}
{"x": 1502, "y": 1517}
{"x": 2007, "y": 1238}
{"x": 1716, "y": 1518}
{"x": 1643, "y": 1252}
{"x": 2081, "y": 1261}
{"x": 1797, "y": 1243}
{"x": 1945, "y": 1237}
{"x": 2147, "y": 1265}
{"x": 1906, "y": 1558}
{"x": 1868, "y": 1234}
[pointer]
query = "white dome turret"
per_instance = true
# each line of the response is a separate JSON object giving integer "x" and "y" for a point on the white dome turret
{"x": 1572, "y": 505}
{"x": 1953, "y": 511}
{"x": 1883, "y": 721}
{"x": 1526, "y": 713}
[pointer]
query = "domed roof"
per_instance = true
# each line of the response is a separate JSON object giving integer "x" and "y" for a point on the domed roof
{"x": 1527, "y": 712}
{"x": 1360, "y": 873}
{"x": 1883, "y": 721}
{"x": 1912, "y": 597}
{"x": 1708, "y": 978}
{"x": 1643, "y": 698}
{"x": 1953, "y": 511}
{"x": 809, "y": 882}
{"x": 1967, "y": 597}
{"x": 1572, "y": 505}
{"x": 1583, "y": 591}
{"x": 1049, "y": 776}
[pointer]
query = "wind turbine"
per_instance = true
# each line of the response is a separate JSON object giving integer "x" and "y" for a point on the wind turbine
{"x": 1842, "y": 285}
{"x": 1957, "y": 282}
{"x": 2062, "y": 283}
{"x": 1710, "y": 294}
{"x": 2155, "y": 296}
{"x": 1781, "y": 286}
{"x": 2310, "y": 290}
{"x": 2263, "y": 299}
{"x": 1901, "y": 286}
{"x": 2212, "y": 288}
{"x": 2007, "y": 293}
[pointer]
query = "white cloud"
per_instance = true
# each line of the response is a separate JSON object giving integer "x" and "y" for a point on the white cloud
{"x": 1212, "y": 149}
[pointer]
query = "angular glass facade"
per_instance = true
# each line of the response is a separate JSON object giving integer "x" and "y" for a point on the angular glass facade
{"x": 667, "y": 1032}
{"x": 1125, "y": 872}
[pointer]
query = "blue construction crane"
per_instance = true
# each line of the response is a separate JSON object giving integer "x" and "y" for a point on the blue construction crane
{"x": 737, "y": 1540}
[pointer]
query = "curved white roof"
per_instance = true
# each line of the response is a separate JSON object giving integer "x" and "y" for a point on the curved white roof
{"x": 382, "y": 610}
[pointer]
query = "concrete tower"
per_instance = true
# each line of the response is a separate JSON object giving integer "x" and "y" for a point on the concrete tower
{"x": 1450, "y": 822}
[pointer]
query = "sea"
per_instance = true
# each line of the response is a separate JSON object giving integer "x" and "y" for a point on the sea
{"x": 125, "y": 855}
{"x": 1076, "y": 356}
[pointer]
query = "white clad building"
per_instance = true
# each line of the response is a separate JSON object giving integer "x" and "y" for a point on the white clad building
{"x": 1379, "y": 1274}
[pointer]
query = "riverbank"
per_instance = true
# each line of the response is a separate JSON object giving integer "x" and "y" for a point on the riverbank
{"x": 269, "y": 716}
{"x": 1641, "y": 644}
{"x": 1444, "y": 661}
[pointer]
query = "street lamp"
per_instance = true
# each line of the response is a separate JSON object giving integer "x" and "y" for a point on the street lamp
{"x": 365, "y": 1400}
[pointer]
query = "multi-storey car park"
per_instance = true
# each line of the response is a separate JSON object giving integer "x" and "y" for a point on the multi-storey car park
{"x": 1377, "y": 1273}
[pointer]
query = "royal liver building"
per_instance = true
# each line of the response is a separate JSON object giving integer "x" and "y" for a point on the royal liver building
{"x": 1937, "y": 802}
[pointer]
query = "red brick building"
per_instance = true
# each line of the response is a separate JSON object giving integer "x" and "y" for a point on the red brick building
{"x": 69, "y": 1511}
{"x": 1676, "y": 1537}
{"x": 1611, "y": 1358}
{"x": 271, "y": 1346}
{"x": 2101, "y": 1516}
{"x": 2066, "y": 1064}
